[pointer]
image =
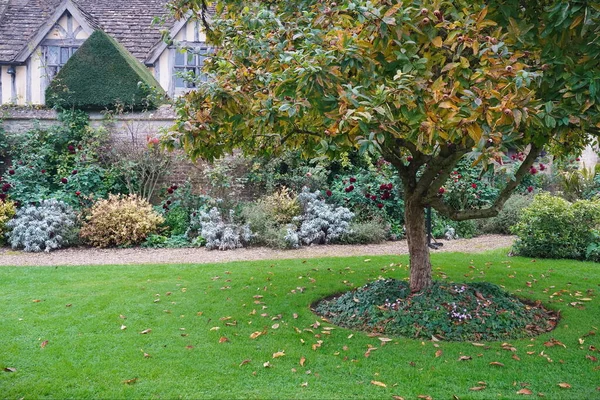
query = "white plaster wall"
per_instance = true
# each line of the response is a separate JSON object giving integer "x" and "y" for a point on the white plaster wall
{"x": 21, "y": 84}
{"x": 589, "y": 157}
{"x": 164, "y": 68}
{"x": 37, "y": 72}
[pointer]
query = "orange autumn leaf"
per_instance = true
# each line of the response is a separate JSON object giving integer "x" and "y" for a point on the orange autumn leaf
{"x": 439, "y": 353}
{"x": 302, "y": 361}
{"x": 499, "y": 364}
{"x": 43, "y": 344}
{"x": 223, "y": 339}
{"x": 377, "y": 383}
{"x": 525, "y": 391}
{"x": 244, "y": 362}
{"x": 477, "y": 388}
{"x": 564, "y": 385}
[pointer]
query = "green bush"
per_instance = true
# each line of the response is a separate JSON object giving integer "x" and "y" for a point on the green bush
{"x": 366, "y": 232}
{"x": 507, "y": 217}
{"x": 103, "y": 74}
{"x": 551, "y": 227}
{"x": 7, "y": 212}
{"x": 120, "y": 222}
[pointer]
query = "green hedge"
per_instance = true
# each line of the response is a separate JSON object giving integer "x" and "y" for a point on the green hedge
{"x": 102, "y": 74}
{"x": 551, "y": 227}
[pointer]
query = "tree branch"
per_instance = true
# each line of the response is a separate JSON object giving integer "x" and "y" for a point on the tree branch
{"x": 494, "y": 209}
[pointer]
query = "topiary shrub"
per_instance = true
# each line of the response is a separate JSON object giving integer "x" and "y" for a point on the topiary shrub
{"x": 120, "y": 221}
{"x": 7, "y": 211}
{"x": 507, "y": 217}
{"x": 46, "y": 227}
{"x": 102, "y": 74}
{"x": 220, "y": 234}
{"x": 320, "y": 223}
{"x": 551, "y": 227}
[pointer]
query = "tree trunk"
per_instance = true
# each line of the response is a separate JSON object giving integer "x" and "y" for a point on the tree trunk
{"x": 420, "y": 262}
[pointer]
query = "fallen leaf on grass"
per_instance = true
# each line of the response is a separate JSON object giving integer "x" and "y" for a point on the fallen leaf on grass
{"x": 477, "y": 388}
{"x": 377, "y": 383}
{"x": 275, "y": 326}
{"x": 424, "y": 397}
{"x": 267, "y": 365}
{"x": 279, "y": 354}
{"x": 130, "y": 381}
{"x": 295, "y": 316}
{"x": 146, "y": 355}
{"x": 44, "y": 344}
{"x": 516, "y": 357}
{"x": 564, "y": 385}
{"x": 525, "y": 391}
{"x": 189, "y": 347}
{"x": 499, "y": 364}
{"x": 554, "y": 342}
{"x": 123, "y": 327}
{"x": 223, "y": 339}
{"x": 439, "y": 353}
{"x": 478, "y": 344}
{"x": 464, "y": 358}
{"x": 385, "y": 340}
{"x": 36, "y": 301}
{"x": 592, "y": 358}
{"x": 122, "y": 316}
{"x": 395, "y": 397}
{"x": 368, "y": 352}
{"x": 10, "y": 369}
{"x": 302, "y": 361}
{"x": 304, "y": 384}
{"x": 245, "y": 362}
{"x": 257, "y": 334}
{"x": 145, "y": 331}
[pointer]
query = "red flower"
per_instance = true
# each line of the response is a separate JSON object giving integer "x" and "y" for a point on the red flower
{"x": 77, "y": 193}
{"x": 71, "y": 149}
{"x": 352, "y": 179}
{"x": 578, "y": 159}
{"x": 441, "y": 190}
{"x": 11, "y": 171}
{"x": 542, "y": 167}
{"x": 64, "y": 180}
{"x": 349, "y": 189}
{"x": 328, "y": 193}
{"x": 169, "y": 202}
{"x": 530, "y": 189}
{"x": 74, "y": 172}
{"x": 6, "y": 187}
{"x": 383, "y": 187}
{"x": 2, "y": 196}
{"x": 174, "y": 187}
{"x": 533, "y": 170}
{"x": 474, "y": 185}
{"x": 379, "y": 205}
{"x": 368, "y": 195}
{"x": 409, "y": 158}
{"x": 170, "y": 190}
{"x": 389, "y": 186}
{"x": 43, "y": 171}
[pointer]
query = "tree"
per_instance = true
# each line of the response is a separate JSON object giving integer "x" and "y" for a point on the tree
{"x": 423, "y": 83}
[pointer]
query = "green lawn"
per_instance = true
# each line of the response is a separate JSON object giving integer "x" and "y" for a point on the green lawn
{"x": 76, "y": 312}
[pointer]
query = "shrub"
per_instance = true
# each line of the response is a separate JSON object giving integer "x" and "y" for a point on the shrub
{"x": 366, "y": 232}
{"x": 218, "y": 233}
{"x": 101, "y": 74}
{"x": 166, "y": 242}
{"x": 551, "y": 227}
{"x": 46, "y": 227}
{"x": 507, "y": 217}
{"x": 7, "y": 211}
{"x": 120, "y": 221}
{"x": 320, "y": 223}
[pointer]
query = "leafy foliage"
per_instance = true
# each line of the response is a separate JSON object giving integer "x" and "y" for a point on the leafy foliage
{"x": 102, "y": 74}
{"x": 451, "y": 311}
{"x": 120, "y": 221}
{"x": 551, "y": 227}
{"x": 7, "y": 211}
{"x": 320, "y": 223}
{"x": 366, "y": 232}
{"x": 49, "y": 226}
{"x": 508, "y": 217}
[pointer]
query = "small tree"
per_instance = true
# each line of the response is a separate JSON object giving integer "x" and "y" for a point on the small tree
{"x": 423, "y": 83}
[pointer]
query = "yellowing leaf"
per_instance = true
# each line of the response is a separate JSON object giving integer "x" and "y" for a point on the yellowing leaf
{"x": 377, "y": 383}
{"x": 302, "y": 361}
{"x": 437, "y": 41}
{"x": 223, "y": 339}
{"x": 439, "y": 353}
{"x": 477, "y": 388}
{"x": 130, "y": 381}
{"x": 499, "y": 364}
{"x": 279, "y": 354}
{"x": 564, "y": 385}
{"x": 256, "y": 334}
{"x": 145, "y": 331}
{"x": 525, "y": 391}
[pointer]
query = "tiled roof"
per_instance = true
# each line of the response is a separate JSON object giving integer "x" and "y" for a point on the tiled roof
{"x": 128, "y": 21}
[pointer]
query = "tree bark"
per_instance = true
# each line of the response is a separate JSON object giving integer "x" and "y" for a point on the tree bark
{"x": 420, "y": 262}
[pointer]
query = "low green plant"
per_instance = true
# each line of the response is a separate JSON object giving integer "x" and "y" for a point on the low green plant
{"x": 507, "y": 217}
{"x": 551, "y": 227}
{"x": 120, "y": 221}
{"x": 156, "y": 241}
{"x": 450, "y": 311}
{"x": 366, "y": 232}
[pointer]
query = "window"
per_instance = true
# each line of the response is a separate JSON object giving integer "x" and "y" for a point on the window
{"x": 188, "y": 67}
{"x": 56, "y": 57}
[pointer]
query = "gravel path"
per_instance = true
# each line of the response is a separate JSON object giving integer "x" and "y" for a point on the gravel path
{"x": 90, "y": 256}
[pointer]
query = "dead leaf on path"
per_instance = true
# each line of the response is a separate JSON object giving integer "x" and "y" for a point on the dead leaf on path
{"x": 464, "y": 358}
{"x": 223, "y": 339}
{"x": 10, "y": 369}
{"x": 245, "y": 362}
{"x": 130, "y": 381}
{"x": 439, "y": 353}
{"x": 525, "y": 391}
{"x": 145, "y": 331}
{"x": 44, "y": 344}
{"x": 279, "y": 354}
{"x": 377, "y": 383}
{"x": 564, "y": 385}
{"x": 499, "y": 364}
{"x": 302, "y": 361}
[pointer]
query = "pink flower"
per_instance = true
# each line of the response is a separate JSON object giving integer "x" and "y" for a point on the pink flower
{"x": 474, "y": 185}
{"x": 77, "y": 193}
